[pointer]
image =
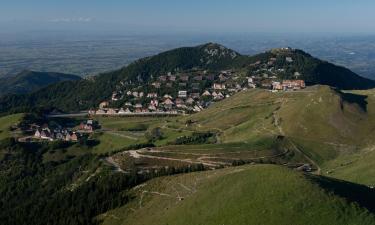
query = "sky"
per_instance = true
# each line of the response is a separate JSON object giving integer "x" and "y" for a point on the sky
{"x": 315, "y": 16}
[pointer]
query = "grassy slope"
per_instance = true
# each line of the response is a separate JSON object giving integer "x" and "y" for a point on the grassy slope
{"x": 6, "y": 122}
{"x": 328, "y": 127}
{"x": 260, "y": 194}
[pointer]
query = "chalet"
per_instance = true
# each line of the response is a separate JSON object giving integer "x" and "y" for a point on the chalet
{"x": 293, "y": 84}
{"x": 74, "y": 136}
{"x": 138, "y": 106}
{"x": 206, "y": 93}
{"x": 198, "y": 78}
{"x": 182, "y": 94}
{"x": 100, "y": 112}
{"x": 289, "y": 59}
{"x": 115, "y": 96}
{"x": 111, "y": 111}
{"x": 179, "y": 101}
{"x": 218, "y": 86}
{"x": 135, "y": 94}
{"x": 210, "y": 77}
{"x": 195, "y": 86}
{"x": 152, "y": 107}
{"x": 190, "y": 101}
{"x": 172, "y": 78}
{"x": 156, "y": 84}
{"x": 47, "y": 135}
{"x": 222, "y": 78}
{"x": 195, "y": 95}
{"x": 128, "y": 93}
{"x": 163, "y": 78}
{"x": 68, "y": 137}
{"x": 152, "y": 95}
{"x": 123, "y": 111}
{"x": 184, "y": 78}
{"x": 59, "y": 136}
{"x": 154, "y": 102}
{"x": 277, "y": 85}
{"x": 167, "y": 96}
{"x": 37, "y": 133}
{"x": 141, "y": 94}
{"x": 103, "y": 105}
{"x": 168, "y": 103}
{"x": 219, "y": 96}
{"x": 182, "y": 84}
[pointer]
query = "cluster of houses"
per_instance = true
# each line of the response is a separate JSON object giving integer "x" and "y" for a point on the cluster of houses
{"x": 171, "y": 94}
{"x": 181, "y": 93}
{"x": 63, "y": 134}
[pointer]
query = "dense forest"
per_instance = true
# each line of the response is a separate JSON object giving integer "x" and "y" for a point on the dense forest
{"x": 71, "y": 191}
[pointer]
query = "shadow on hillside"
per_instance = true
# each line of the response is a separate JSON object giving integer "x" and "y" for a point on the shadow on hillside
{"x": 360, "y": 194}
{"x": 360, "y": 100}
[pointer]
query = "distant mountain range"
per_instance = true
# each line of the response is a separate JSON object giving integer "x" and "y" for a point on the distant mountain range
{"x": 82, "y": 94}
{"x": 30, "y": 81}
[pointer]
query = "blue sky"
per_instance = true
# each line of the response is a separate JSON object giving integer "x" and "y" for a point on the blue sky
{"x": 195, "y": 15}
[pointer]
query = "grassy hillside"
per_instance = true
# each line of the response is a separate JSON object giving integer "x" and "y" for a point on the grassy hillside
{"x": 29, "y": 81}
{"x": 259, "y": 194}
{"x": 6, "y": 122}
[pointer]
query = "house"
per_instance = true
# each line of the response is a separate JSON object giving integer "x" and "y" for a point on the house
{"x": 218, "y": 86}
{"x": 59, "y": 136}
{"x": 289, "y": 59}
{"x": 138, "y": 106}
{"x": 171, "y": 78}
{"x": 184, "y": 78}
{"x": 219, "y": 96}
{"x": 195, "y": 86}
{"x": 156, "y": 84}
{"x": 124, "y": 111}
{"x": 167, "y": 96}
{"x": 74, "y": 137}
{"x": 163, "y": 78}
{"x": 190, "y": 101}
{"x": 277, "y": 85}
{"x": 46, "y": 134}
{"x": 152, "y": 107}
{"x": 141, "y": 94}
{"x": 222, "y": 78}
{"x": 100, "y": 112}
{"x": 206, "y": 93}
{"x": 135, "y": 94}
{"x": 103, "y": 104}
{"x": 182, "y": 94}
{"x": 198, "y": 78}
{"x": 115, "y": 96}
{"x": 168, "y": 103}
{"x": 293, "y": 84}
{"x": 37, "y": 133}
{"x": 128, "y": 93}
{"x": 152, "y": 95}
{"x": 210, "y": 77}
{"x": 195, "y": 95}
{"x": 128, "y": 104}
{"x": 169, "y": 85}
{"x": 182, "y": 84}
{"x": 154, "y": 102}
{"x": 111, "y": 111}
{"x": 179, "y": 101}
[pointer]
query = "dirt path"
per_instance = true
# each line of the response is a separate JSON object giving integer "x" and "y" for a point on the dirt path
{"x": 113, "y": 163}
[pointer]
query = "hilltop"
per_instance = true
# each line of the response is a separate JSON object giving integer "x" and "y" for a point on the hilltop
{"x": 30, "y": 81}
{"x": 212, "y": 58}
{"x": 260, "y": 194}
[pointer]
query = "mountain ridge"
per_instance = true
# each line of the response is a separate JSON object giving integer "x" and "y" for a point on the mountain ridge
{"x": 29, "y": 81}
{"x": 83, "y": 94}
